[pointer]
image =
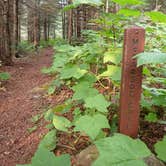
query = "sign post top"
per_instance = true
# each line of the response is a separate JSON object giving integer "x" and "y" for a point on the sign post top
{"x": 134, "y": 27}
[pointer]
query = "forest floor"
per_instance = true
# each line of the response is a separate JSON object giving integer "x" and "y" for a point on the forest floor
{"x": 19, "y": 102}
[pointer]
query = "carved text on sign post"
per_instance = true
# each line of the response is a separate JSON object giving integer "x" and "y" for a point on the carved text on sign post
{"x": 131, "y": 82}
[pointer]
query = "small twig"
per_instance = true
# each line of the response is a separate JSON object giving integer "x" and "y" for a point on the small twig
{"x": 78, "y": 138}
{"x": 105, "y": 87}
{"x": 66, "y": 146}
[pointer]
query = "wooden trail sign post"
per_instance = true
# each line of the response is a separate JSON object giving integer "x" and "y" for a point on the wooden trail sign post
{"x": 134, "y": 41}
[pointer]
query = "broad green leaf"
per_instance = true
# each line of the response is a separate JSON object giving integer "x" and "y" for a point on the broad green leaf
{"x": 51, "y": 90}
{"x": 158, "y": 95}
{"x": 61, "y": 123}
{"x": 49, "y": 140}
{"x": 98, "y": 102}
{"x": 146, "y": 72}
{"x": 157, "y": 80}
{"x": 157, "y": 16}
{"x": 151, "y": 117}
{"x": 160, "y": 149}
{"x": 121, "y": 150}
{"x": 155, "y": 91}
{"x": 50, "y": 126}
{"x": 129, "y": 12}
{"x": 159, "y": 100}
{"x": 150, "y": 58}
{"x": 90, "y": 78}
{"x": 114, "y": 72}
{"x": 59, "y": 61}
{"x": 128, "y": 2}
{"x": 49, "y": 115}
{"x": 59, "y": 108}
{"x": 84, "y": 90}
{"x": 113, "y": 56}
{"x": 70, "y": 71}
{"x": 4, "y": 76}
{"x": 146, "y": 103}
{"x": 92, "y": 125}
{"x": 36, "y": 118}
{"x": 77, "y": 114}
{"x": 44, "y": 157}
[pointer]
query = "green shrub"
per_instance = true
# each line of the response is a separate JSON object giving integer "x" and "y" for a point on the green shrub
{"x": 4, "y": 76}
{"x": 51, "y": 42}
{"x": 25, "y": 47}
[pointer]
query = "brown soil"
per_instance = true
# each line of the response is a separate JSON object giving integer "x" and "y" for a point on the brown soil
{"x": 18, "y": 104}
{"x": 151, "y": 133}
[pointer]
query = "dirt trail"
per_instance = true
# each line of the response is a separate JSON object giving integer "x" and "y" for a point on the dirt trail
{"x": 17, "y": 106}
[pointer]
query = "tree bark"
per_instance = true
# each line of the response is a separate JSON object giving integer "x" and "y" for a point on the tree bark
{"x": 6, "y": 31}
{"x": 16, "y": 25}
{"x": 70, "y": 24}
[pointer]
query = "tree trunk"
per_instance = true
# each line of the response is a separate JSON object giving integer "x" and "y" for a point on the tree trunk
{"x": 78, "y": 23}
{"x": 6, "y": 31}
{"x": 30, "y": 26}
{"x": 36, "y": 24}
{"x": 45, "y": 29}
{"x": 16, "y": 25}
{"x": 70, "y": 24}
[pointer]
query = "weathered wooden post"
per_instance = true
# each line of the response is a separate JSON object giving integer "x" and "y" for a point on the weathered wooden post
{"x": 134, "y": 41}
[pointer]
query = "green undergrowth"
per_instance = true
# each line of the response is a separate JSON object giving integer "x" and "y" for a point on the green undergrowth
{"x": 4, "y": 76}
{"x": 51, "y": 42}
{"x": 86, "y": 70}
{"x": 25, "y": 47}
